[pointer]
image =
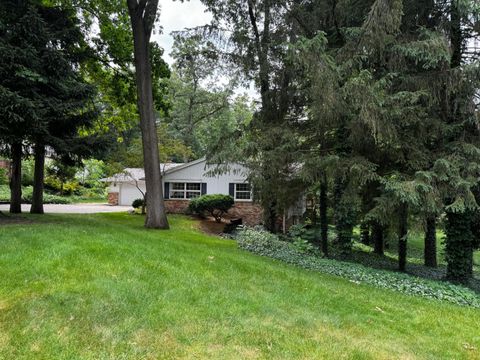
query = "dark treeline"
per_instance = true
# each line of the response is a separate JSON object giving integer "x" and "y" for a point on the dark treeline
{"x": 44, "y": 98}
{"x": 371, "y": 107}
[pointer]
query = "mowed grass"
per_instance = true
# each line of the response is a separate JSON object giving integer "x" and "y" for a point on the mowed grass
{"x": 103, "y": 287}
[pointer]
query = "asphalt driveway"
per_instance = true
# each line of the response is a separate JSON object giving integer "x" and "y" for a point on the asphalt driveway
{"x": 73, "y": 208}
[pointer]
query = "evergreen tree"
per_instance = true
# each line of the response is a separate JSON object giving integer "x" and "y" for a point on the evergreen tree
{"x": 19, "y": 108}
{"x": 49, "y": 78}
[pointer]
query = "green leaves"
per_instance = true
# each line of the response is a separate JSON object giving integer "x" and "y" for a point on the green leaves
{"x": 215, "y": 204}
{"x": 430, "y": 51}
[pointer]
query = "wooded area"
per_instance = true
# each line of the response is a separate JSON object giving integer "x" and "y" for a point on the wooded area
{"x": 369, "y": 107}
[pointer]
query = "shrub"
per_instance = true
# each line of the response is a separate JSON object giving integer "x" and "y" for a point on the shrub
{"x": 64, "y": 188}
{"x": 4, "y": 193}
{"x": 28, "y": 169}
{"x": 216, "y": 205}
{"x": 138, "y": 203}
{"x": 3, "y": 176}
{"x": 27, "y": 194}
{"x": 264, "y": 243}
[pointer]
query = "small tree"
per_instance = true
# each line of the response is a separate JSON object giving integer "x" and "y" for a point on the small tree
{"x": 143, "y": 204}
{"x": 139, "y": 204}
{"x": 216, "y": 205}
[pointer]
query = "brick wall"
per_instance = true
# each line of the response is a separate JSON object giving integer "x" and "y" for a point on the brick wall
{"x": 176, "y": 206}
{"x": 251, "y": 214}
{"x": 113, "y": 198}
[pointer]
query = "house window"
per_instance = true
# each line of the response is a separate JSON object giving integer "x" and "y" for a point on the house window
{"x": 243, "y": 192}
{"x": 185, "y": 190}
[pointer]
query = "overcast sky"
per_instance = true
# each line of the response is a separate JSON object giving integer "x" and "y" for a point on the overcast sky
{"x": 176, "y": 15}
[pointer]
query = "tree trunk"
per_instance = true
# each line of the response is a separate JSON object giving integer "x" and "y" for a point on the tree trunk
{"x": 142, "y": 20}
{"x": 430, "y": 248}
{"x": 378, "y": 238}
{"x": 459, "y": 236}
{"x": 38, "y": 180}
{"x": 270, "y": 215}
{"x": 456, "y": 36}
{"x": 365, "y": 233}
{"x": 459, "y": 246}
{"x": 16, "y": 179}
{"x": 402, "y": 237}
{"x": 323, "y": 216}
{"x": 344, "y": 219}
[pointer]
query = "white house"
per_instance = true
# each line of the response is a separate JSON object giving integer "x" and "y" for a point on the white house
{"x": 182, "y": 182}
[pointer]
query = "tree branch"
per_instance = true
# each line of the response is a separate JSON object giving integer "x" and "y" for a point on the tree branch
{"x": 253, "y": 21}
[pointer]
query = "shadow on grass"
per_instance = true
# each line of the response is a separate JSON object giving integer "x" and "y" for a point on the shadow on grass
{"x": 12, "y": 219}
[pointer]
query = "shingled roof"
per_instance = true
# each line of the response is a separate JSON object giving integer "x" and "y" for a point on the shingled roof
{"x": 135, "y": 174}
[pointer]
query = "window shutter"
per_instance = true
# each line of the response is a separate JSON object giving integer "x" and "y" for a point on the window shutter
{"x": 231, "y": 189}
{"x": 204, "y": 188}
{"x": 166, "y": 192}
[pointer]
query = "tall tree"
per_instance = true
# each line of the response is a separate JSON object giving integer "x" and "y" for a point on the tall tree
{"x": 257, "y": 32}
{"x": 20, "y": 105}
{"x": 458, "y": 149}
{"x": 142, "y": 15}
{"x": 198, "y": 95}
{"x": 67, "y": 97}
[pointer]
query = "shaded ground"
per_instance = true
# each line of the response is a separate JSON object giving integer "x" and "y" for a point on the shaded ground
{"x": 89, "y": 208}
{"x": 210, "y": 226}
{"x": 364, "y": 255}
{"x": 389, "y": 261}
{"x": 7, "y": 219}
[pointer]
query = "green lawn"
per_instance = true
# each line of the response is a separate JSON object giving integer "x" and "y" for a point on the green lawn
{"x": 102, "y": 287}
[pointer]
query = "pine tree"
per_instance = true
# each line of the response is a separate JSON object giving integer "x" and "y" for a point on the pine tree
{"x": 50, "y": 79}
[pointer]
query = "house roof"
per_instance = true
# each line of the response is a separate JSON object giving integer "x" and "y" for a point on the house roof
{"x": 136, "y": 174}
{"x": 180, "y": 166}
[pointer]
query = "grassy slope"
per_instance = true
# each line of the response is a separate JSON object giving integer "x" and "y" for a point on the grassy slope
{"x": 102, "y": 287}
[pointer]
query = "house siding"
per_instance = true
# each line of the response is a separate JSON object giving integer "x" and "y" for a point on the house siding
{"x": 124, "y": 193}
